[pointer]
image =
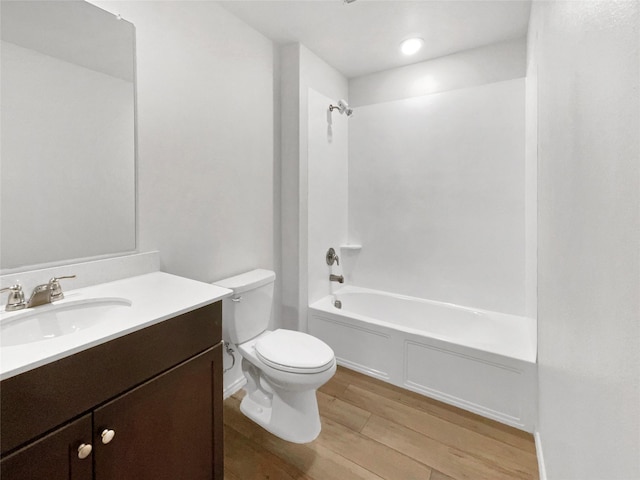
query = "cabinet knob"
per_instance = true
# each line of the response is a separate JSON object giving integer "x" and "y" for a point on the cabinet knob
{"x": 107, "y": 435}
{"x": 84, "y": 451}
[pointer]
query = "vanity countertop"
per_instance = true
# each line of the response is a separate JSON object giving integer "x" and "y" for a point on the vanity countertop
{"x": 154, "y": 297}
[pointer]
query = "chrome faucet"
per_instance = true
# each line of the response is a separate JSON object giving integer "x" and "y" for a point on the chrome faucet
{"x": 47, "y": 292}
{"x": 336, "y": 278}
{"x": 40, "y": 295}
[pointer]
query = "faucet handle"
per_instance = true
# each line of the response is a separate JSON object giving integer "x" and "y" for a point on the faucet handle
{"x": 56, "y": 289}
{"x": 332, "y": 257}
{"x": 16, "y": 299}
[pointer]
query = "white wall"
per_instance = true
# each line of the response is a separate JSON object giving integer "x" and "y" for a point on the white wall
{"x": 588, "y": 65}
{"x": 291, "y": 214}
{"x": 531, "y": 181}
{"x": 327, "y": 190}
{"x": 301, "y": 70}
{"x": 436, "y": 196}
{"x": 205, "y": 97}
{"x": 487, "y": 64}
{"x": 205, "y": 138}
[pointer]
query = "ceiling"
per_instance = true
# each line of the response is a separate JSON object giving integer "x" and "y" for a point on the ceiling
{"x": 364, "y": 37}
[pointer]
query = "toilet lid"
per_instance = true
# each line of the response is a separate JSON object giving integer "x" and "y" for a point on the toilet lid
{"x": 293, "y": 351}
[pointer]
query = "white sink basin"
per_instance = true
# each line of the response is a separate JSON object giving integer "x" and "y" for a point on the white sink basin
{"x": 57, "y": 319}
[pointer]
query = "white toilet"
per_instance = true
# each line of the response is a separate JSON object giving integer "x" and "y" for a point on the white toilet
{"x": 283, "y": 368}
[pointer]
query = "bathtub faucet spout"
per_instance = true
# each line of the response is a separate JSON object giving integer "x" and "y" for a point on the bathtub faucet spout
{"x": 336, "y": 278}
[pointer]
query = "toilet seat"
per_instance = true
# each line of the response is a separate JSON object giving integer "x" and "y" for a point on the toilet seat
{"x": 294, "y": 352}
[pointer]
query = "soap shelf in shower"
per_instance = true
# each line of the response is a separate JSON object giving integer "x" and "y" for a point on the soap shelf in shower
{"x": 354, "y": 247}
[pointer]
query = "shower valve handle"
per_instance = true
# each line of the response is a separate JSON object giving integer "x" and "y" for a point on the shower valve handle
{"x": 332, "y": 257}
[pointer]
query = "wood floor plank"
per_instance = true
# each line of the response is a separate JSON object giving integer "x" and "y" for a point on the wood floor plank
{"x": 441, "y": 430}
{"x": 249, "y": 461}
{"x": 315, "y": 460}
{"x": 370, "y": 454}
{"x": 372, "y": 430}
{"x": 347, "y": 414}
{"x": 436, "y": 475}
{"x": 335, "y": 386}
{"x": 448, "y": 460}
{"x": 229, "y": 475}
{"x": 344, "y": 375}
{"x": 490, "y": 428}
{"x": 487, "y": 427}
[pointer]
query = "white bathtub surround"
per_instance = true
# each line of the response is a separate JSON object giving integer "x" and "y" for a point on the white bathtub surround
{"x": 302, "y": 72}
{"x": 437, "y": 193}
{"x": 327, "y": 194}
{"x": 475, "y": 359}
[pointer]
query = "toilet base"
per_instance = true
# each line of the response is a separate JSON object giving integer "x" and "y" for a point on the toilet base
{"x": 294, "y": 418}
{"x": 281, "y": 402}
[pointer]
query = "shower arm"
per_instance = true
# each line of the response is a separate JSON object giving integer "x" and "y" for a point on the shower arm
{"x": 342, "y": 107}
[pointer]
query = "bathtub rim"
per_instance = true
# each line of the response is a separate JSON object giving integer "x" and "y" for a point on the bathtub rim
{"x": 325, "y": 305}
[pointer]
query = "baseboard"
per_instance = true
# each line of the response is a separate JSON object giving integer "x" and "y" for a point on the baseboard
{"x": 234, "y": 387}
{"x": 541, "y": 468}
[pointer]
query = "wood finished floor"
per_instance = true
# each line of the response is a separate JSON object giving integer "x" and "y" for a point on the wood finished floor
{"x": 373, "y": 430}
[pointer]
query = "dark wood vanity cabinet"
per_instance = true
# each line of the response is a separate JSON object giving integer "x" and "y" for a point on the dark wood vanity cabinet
{"x": 162, "y": 428}
{"x": 166, "y": 421}
{"x": 53, "y": 456}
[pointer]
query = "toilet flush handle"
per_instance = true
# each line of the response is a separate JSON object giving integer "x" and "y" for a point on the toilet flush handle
{"x": 236, "y": 299}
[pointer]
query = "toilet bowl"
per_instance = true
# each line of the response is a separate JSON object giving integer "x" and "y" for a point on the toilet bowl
{"x": 283, "y": 368}
{"x": 281, "y": 397}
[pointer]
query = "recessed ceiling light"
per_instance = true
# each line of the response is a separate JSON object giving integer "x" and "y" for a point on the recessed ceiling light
{"x": 411, "y": 45}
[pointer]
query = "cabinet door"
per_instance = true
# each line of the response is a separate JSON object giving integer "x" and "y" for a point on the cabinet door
{"x": 53, "y": 457}
{"x": 163, "y": 429}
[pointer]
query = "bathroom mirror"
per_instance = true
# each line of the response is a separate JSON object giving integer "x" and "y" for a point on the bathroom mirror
{"x": 67, "y": 170}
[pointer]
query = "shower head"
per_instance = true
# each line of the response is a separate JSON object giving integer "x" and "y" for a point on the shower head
{"x": 342, "y": 107}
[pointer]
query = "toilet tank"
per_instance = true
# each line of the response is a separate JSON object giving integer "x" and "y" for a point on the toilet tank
{"x": 246, "y": 314}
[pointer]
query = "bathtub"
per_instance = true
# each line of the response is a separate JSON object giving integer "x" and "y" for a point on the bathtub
{"x": 481, "y": 361}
